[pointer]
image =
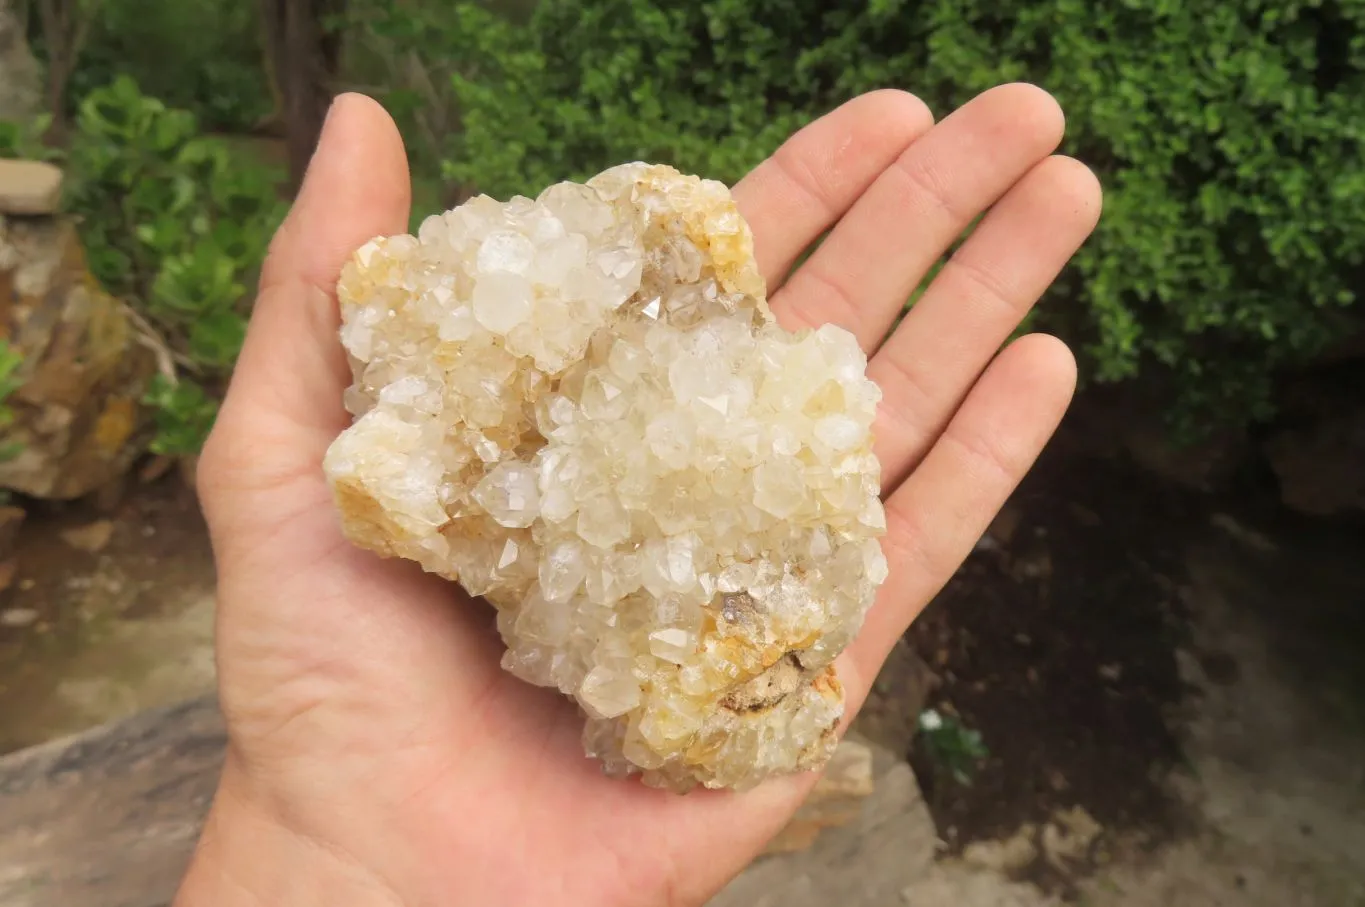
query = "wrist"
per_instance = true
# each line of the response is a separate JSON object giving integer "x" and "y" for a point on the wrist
{"x": 248, "y": 857}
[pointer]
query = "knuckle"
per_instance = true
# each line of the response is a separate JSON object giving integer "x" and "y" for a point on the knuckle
{"x": 797, "y": 173}
{"x": 984, "y": 458}
{"x": 927, "y": 182}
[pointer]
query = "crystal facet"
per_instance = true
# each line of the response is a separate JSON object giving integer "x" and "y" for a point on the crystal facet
{"x": 581, "y": 408}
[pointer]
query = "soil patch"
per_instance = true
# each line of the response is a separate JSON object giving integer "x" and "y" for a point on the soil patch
{"x": 1057, "y": 642}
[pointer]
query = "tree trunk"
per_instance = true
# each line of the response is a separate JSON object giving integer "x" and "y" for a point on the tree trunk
{"x": 305, "y": 57}
{"x": 66, "y": 28}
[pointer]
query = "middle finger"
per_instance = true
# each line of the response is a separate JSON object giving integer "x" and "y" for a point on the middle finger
{"x": 862, "y": 275}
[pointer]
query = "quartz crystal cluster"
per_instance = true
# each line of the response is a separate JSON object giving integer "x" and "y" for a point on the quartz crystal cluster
{"x": 581, "y": 408}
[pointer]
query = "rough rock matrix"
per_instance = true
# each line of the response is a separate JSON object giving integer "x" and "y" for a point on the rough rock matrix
{"x": 78, "y": 421}
{"x": 581, "y": 408}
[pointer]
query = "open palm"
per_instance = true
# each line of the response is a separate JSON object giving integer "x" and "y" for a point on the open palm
{"x": 374, "y": 738}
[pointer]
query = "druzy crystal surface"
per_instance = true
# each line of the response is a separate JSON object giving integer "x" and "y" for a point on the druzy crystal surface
{"x": 581, "y": 408}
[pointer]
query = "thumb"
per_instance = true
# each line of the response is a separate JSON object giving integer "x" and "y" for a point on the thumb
{"x": 283, "y": 407}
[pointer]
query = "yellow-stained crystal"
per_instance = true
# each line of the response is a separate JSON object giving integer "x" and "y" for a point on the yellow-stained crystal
{"x": 581, "y": 408}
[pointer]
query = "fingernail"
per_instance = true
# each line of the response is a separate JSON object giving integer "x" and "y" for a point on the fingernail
{"x": 331, "y": 109}
{"x": 320, "y": 144}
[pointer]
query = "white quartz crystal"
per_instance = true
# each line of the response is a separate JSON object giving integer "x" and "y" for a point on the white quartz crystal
{"x": 581, "y": 408}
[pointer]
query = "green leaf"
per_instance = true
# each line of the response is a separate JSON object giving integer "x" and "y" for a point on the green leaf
{"x": 184, "y": 416}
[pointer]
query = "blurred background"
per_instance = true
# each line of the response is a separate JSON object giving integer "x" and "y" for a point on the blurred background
{"x": 1147, "y": 685}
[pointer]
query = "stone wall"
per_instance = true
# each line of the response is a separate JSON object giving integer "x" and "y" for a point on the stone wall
{"x": 79, "y": 422}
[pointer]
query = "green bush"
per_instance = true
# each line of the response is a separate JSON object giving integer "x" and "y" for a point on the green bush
{"x": 1230, "y": 138}
{"x": 410, "y": 53}
{"x": 24, "y": 139}
{"x": 184, "y": 416}
{"x": 199, "y": 55}
{"x": 177, "y": 224}
{"x": 10, "y": 360}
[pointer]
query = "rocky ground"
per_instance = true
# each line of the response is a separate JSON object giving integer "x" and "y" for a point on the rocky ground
{"x": 1168, "y": 687}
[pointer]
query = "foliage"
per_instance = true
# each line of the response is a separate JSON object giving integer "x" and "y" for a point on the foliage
{"x": 951, "y": 746}
{"x": 10, "y": 360}
{"x": 415, "y": 54}
{"x": 1230, "y": 141}
{"x": 175, "y": 223}
{"x": 24, "y": 139}
{"x": 568, "y": 95}
{"x": 199, "y": 55}
{"x": 184, "y": 416}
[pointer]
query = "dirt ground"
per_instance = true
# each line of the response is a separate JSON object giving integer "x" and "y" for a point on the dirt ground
{"x": 1057, "y": 641}
{"x": 107, "y": 611}
{"x": 1170, "y": 689}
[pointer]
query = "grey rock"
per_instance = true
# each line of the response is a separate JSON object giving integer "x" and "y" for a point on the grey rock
{"x": 109, "y": 818}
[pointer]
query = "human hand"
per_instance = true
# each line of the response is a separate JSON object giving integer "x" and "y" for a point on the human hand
{"x": 378, "y": 753}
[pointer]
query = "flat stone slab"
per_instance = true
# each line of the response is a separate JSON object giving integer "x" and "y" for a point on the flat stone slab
{"x": 869, "y": 862}
{"x": 29, "y": 187}
{"x": 836, "y": 800}
{"x": 109, "y": 818}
